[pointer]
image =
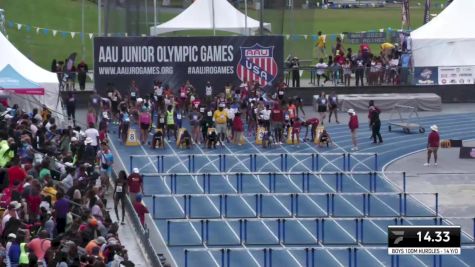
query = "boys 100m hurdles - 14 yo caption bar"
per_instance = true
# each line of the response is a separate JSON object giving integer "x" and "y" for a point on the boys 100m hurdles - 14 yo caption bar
{"x": 424, "y": 240}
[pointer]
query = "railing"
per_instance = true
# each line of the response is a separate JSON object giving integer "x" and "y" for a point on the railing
{"x": 251, "y": 159}
{"x": 141, "y": 232}
{"x": 391, "y": 75}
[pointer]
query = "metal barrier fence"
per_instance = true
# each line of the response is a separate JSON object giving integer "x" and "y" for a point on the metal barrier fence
{"x": 251, "y": 160}
{"x": 141, "y": 232}
{"x": 365, "y": 207}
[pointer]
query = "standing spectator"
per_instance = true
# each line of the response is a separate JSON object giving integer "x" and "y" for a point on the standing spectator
{"x": 333, "y": 107}
{"x": 135, "y": 183}
{"x": 321, "y": 46}
{"x": 195, "y": 120}
{"x": 208, "y": 93}
{"x": 220, "y": 117}
{"x": 375, "y": 124}
{"x": 14, "y": 252}
{"x": 359, "y": 71}
{"x": 95, "y": 102}
{"x": 93, "y": 133}
{"x": 16, "y": 174}
{"x": 71, "y": 108}
{"x": 238, "y": 128}
{"x": 277, "y": 118}
{"x": 170, "y": 119}
{"x": 40, "y": 245}
{"x": 313, "y": 123}
{"x": 61, "y": 209}
{"x": 433, "y": 142}
{"x": 106, "y": 159}
{"x": 321, "y": 68}
{"x": 145, "y": 119}
{"x": 353, "y": 125}
{"x": 120, "y": 194}
{"x": 322, "y": 104}
{"x": 82, "y": 73}
{"x": 133, "y": 92}
{"x": 265, "y": 117}
{"x": 295, "y": 67}
{"x": 140, "y": 208}
{"x": 347, "y": 73}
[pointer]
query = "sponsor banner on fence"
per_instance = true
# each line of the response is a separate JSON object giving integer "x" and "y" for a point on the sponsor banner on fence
{"x": 174, "y": 60}
{"x": 456, "y": 75}
{"x": 366, "y": 38}
{"x": 425, "y": 75}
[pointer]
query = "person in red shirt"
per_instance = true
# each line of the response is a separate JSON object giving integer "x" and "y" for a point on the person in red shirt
{"x": 313, "y": 123}
{"x": 277, "y": 120}
{"x": 238, "y": 128}
{"x": 296, "y": 130}
{"x": 135, "y": 183}
{"x": 353, "y": 125}
{"x": 433, "y": 142}
{"x": 140, "y": 208}
{"x": 15, "y": 172}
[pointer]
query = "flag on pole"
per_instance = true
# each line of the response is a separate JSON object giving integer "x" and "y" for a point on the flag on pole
{"x": 427, "y": 11}
{"x": 406, "y": 20}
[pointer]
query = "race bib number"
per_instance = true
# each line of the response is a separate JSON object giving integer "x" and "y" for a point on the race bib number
{"x": 222, "y": 117}
{"x": 133, "y": 94}
{"x": 208, "y": 91}
{"x": 202, "y": 110}
{"x": 195, "y": 117}
{"x": 118, "y": 189}
{"x": 281, "y": 92}
{"x": 94, "y": 100}
{"x": 178, "y": 116}
{"x": 162, "y": 120}
{"x": 287, "y": 117}
{"x": 324, "y": 101}
{"x": 182, "y": 94}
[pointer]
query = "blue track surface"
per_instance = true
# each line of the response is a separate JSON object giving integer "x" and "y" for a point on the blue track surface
{"x": 262, "y": 219}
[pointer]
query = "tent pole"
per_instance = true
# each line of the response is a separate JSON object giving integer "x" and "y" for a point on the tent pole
{"x": 214, "y": 23}
{"x": 261, "y": 17}
{"x": 245, "y": 21}
{"x": 154, "y": 12}
{"x": 99, "y": 17}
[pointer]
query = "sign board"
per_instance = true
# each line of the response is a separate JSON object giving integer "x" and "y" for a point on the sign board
{"x": 467, "y": 152}
{"x": 456, "y": 75}
{"x": 132, "y": 138}
{"x": 365, "y": 38}
{"x": 174, "y": 60}
{"x": 425, "y": 75}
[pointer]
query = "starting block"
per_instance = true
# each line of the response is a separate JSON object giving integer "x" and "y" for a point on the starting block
{"x": 132, "y": 138}
{"x": 318, "y": 132}
{"x": 289, "y": 137}
{"x": 260, "y": 135}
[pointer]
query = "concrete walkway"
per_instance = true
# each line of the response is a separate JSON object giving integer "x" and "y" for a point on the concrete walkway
{"x": 453, "y": 179}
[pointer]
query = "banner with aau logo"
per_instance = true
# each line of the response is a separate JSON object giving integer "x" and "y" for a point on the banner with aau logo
{"x": 174, "y": 60}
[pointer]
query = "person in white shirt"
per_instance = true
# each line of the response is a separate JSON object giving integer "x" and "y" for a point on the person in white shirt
{"x": 320, "y": 71}
{"x": 265, "y": 117}
{"x": 93, "y": 133}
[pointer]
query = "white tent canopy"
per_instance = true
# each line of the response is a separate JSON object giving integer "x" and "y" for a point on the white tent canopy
{"x": 28, "y": 69}
{"x": 210, "y": 15}
{"x": 448, "y": 38}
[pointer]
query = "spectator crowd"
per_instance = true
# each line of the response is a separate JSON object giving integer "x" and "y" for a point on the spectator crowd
{"x": 53, "y": 183}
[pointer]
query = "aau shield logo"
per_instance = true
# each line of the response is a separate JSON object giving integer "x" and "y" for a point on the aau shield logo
{"x": 257, "y": 64}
